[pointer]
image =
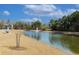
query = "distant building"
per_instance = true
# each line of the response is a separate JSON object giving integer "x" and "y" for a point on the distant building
{"x": 7, "y": 25}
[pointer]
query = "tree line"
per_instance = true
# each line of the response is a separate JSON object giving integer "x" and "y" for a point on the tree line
{"x": 66, "y": 23}
{"x": 30, "y": 26}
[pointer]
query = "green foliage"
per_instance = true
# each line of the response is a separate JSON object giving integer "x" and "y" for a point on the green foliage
{"x": 44, "y": 27}
{"x": 33, "y": 25}
{"x": 36, "y": 24}
{"x": 66, "y": 23}
{"x": 22, "y": 25}
{"x": 18, "y": 25}
{"x": 53, "y": 24}
{"x": 74, "y": 21}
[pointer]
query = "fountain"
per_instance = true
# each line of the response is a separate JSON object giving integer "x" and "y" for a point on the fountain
{"x": 37, "y": 29}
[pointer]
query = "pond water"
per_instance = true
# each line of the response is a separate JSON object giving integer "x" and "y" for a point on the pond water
{"x": 66, "y": 43}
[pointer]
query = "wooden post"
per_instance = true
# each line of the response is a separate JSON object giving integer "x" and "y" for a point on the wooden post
{"x": 18, "y": 39}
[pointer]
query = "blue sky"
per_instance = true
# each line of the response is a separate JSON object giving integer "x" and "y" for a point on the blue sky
{"x": 41, "y": 12}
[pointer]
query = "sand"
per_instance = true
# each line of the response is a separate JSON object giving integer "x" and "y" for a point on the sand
{"x": 28, "y": 46}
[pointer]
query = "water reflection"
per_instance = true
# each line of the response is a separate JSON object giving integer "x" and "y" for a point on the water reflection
{"x": 53, "y": 38}
{"x": 71, "y": 42}
{"x": 33, "y": 34}
{"x": 63, "y": 42}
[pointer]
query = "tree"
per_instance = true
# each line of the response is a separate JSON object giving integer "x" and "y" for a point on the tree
{"x": 53, "y": 24}
{"x": 74, "y": 19}
{"x": 19, "y": 25}
{"x": 36, "y": 24}
{"x": 70, "y": 22}
{"x": 44, "y": 27}
{"x": 66, "y": 23}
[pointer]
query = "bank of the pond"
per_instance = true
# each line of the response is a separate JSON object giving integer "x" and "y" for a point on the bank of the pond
{"x": 65, "y": 32}
{"x": 71, "y": 33}
{"x": 62, "y": 32}
{"x": 28, "y": 45}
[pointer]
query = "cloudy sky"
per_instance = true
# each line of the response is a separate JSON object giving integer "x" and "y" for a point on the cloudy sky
{"x": 41, "y": 12}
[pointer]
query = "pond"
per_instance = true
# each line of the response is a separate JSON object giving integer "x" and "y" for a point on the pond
{"x": 67, "y": 43}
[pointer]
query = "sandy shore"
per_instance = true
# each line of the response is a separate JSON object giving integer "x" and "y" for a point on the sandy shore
{"x": 28, "y": 45}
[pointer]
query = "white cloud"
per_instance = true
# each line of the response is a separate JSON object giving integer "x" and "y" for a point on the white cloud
{"x": 36, "y": 19}
{"x": 47, "y": 10}
{"x": 57, "y": 13}
{"x": 44, "y": 8}
{"x": 69, "y": 11}
{"x": 41, "y": 10}
{"x": 6, "y": 12}
{"x": 31, "y": 20}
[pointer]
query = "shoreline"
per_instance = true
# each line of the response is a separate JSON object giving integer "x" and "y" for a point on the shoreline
{"x": 29, "y": 46}
{"x": 62, "y": 32}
